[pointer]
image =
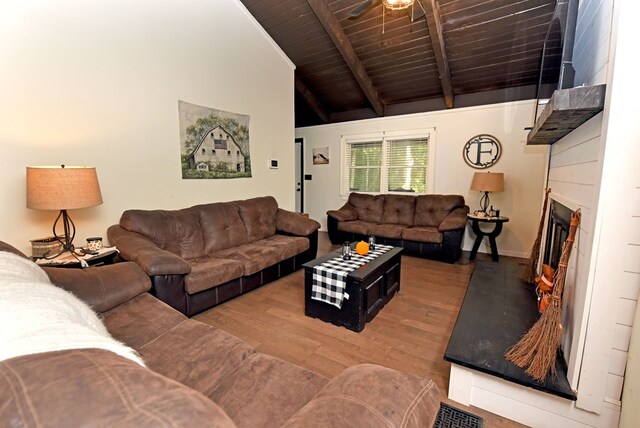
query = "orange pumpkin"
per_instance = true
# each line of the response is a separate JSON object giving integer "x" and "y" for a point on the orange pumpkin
{"x": 362, "y": 248}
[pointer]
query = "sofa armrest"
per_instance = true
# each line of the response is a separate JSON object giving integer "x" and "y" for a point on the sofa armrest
{"x": 154, "y": 260}
{"x": 346, "y": 213}
{"x": 372, "y": 396}
{"x": 102, "y": 287}
{"x": 457, "y": 219}
{"x": 294, "y": 223}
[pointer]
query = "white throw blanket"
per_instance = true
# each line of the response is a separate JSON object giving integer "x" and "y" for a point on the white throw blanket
{"x": 36, "y": 316}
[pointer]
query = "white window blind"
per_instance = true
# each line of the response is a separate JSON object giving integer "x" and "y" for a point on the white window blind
{"x": 364, "y": 166}
{"x": 386, "y": 164}
{"x": 407, "y": 161}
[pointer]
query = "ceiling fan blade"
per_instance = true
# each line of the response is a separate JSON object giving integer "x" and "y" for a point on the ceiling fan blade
{"x": 360, "y": 9}
{"x": 416, "y": 11}
{"x": 416, "y": 14}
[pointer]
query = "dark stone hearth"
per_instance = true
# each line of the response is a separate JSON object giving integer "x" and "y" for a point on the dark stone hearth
{"x": 497, "y": 310}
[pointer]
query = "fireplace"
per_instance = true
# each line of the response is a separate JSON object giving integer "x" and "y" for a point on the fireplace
{"x": 557, "y": 232}
{"x": 558, "y": 221}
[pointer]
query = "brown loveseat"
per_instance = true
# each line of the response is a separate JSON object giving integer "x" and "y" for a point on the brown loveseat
{"x": 201, "y": 256}
{"x": 426, "y": 225}
{"x": 196, "y": 375}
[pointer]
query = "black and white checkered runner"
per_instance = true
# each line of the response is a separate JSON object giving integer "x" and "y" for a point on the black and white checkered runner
{"x": 330, "y": 277}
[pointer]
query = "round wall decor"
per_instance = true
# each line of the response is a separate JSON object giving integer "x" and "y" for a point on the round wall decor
{"x": 482, "y": 151}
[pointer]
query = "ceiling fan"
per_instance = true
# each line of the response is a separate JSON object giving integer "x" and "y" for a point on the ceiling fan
{"x": 408, "y": 5}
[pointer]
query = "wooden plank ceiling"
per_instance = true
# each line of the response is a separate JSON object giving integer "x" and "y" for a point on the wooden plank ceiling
{"x": 385, "y": 63}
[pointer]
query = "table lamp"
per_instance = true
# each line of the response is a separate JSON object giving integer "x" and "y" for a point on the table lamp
{"x": 63, "y": 188}
{"x": 487, "y": 182}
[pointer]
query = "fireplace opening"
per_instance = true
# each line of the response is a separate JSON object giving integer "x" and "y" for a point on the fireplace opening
{"x": 557, "y": 232}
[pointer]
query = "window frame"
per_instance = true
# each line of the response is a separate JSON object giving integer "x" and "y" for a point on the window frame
{"x": 384, "y": 137}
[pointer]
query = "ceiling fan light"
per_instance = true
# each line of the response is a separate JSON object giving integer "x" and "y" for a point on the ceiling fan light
{"x": 397, "y": 4}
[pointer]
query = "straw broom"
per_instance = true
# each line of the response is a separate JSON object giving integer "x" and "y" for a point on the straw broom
{"x": 529, "y": 271}
{"x": 538, "y": 348}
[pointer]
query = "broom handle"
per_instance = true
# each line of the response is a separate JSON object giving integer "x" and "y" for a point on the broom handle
{"x": 566, "y": 254}
{"x": 544, "y": 211}
{"x": 573, "y": 228}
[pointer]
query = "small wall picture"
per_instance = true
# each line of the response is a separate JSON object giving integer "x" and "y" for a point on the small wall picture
{"x": 321, "y": 156}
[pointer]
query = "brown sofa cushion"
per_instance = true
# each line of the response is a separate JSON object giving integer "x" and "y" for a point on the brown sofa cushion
{"x": 400, "y": 400}
{"x": 177, "y": 231}
{"x": 253, "y": 256}
{"x": 398, "y": 209}
{"x": 345, "y": 213}
{"x": 221, "y": 225}
{"x": 295, "y": 223}
{"x": 266, "y": 391}
{"x": 103, "y": 287}
{"x": 423, "y": 234}
{"x": 209, "y": 272}
{"x": 259, "y": 216}
{"x": 288, "y": 246}
{"x": 368, "y": 207}
{"x": 356, "y": 226}
{"x": 185, "y": 353}
{"x": 431, "y": 210}
{"x": 97, "y": 388}
{"x": 393, "y": 231}
{"x": 150, "y": 316}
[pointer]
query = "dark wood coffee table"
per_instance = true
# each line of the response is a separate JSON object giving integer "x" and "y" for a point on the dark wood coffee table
{"x": 370, "y": 287}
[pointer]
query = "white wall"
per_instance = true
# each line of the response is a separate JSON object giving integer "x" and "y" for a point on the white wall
{"x": 574, "y": 178}
{"x": 522, "y": 165}
{"x": 98, "y": 83}
{"x": 599, "y": 321}
{"x": 615, "y": 259}
{"x": 591, "y": 43}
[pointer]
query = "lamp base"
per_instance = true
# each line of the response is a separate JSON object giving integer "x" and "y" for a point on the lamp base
{"x": 484, "y": 202}
{"x": 67, "y": 239}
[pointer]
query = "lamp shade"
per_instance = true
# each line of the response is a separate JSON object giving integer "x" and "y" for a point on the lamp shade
{"x": 488, "y": 182}
{"x": 62, "y": 187}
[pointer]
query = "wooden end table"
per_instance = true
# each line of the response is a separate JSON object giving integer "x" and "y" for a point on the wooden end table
{"x": 480, "y": 234}
{"x": 67, "y": 261}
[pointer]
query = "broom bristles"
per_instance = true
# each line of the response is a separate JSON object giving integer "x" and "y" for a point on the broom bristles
{"x": 538, "y": 348}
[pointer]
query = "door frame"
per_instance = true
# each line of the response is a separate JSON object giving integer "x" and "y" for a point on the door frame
{"x": 301, "y": 178}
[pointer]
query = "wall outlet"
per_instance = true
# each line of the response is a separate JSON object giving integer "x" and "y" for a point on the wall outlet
{"x": 273, "y": 163}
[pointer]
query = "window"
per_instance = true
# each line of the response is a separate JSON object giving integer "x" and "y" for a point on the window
{"x": 387, "y": 163}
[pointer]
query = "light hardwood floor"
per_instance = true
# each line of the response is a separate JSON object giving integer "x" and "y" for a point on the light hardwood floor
{"x": 410, "y": 333}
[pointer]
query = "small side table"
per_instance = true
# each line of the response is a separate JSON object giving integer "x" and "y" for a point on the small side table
{"x": 106, "y": 257}
{"x": 480, "y": 234}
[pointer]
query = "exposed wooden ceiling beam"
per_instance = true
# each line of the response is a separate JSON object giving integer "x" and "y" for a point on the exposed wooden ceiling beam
{"x": 342, "y": 43}
{"x": 312, "y": 101}
{"x": 434, "y": 24}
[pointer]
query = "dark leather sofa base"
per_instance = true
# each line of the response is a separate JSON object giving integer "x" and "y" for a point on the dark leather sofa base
{"x": 448, "y": 251}
{"x": 171, "y": 289}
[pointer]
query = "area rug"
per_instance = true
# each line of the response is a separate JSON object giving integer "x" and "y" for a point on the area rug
{"x": 450, "y": 417}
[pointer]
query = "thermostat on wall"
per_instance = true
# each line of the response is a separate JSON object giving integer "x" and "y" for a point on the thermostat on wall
{"x": 273, "y": 163}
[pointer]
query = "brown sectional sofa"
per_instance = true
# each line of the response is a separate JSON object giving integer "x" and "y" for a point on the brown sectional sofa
{"x": 201, "y": 256}
{"x": 196, "y": 375}
{"x": 426, "y": 225}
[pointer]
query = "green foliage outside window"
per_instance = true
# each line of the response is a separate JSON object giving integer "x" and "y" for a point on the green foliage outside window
{"x": 365, "y": 167}
{"x": 405, "y": 169}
